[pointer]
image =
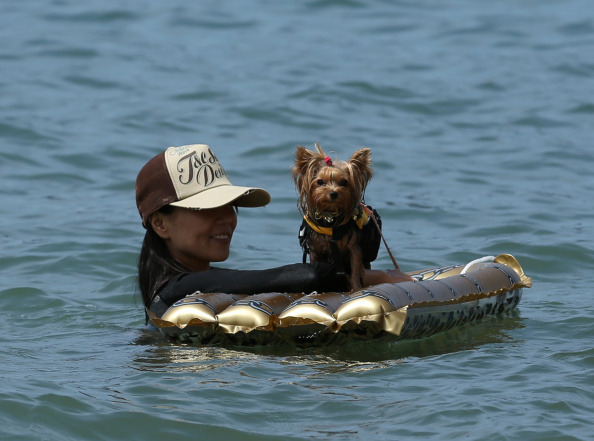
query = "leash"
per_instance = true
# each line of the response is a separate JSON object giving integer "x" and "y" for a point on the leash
{"x": 371, "y": 215}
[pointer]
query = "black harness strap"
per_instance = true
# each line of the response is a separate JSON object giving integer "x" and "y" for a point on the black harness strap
{"x": 369, "y": 240}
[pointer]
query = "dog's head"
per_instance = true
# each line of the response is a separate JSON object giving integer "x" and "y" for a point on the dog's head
{"x": 330, "y": 189}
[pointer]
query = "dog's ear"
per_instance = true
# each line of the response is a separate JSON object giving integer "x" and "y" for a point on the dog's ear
{"x": 303, "y": 169}
{"x": 361, "y": 163}
{"x": 303, "y": 158}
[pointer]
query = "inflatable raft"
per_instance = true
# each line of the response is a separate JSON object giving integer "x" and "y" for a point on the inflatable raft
{"x": 439, "y": 299}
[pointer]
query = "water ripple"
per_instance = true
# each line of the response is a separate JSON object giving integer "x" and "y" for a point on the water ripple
{"x": 480, "y": 124}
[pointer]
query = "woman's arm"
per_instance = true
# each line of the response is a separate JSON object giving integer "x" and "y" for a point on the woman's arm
{"x": 375, "y": 277}
{"x": 289, "y": 278}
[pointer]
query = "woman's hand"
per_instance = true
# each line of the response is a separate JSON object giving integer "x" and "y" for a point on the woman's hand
{"x": 399, "y": 276}
{"x": 375, "y": 277}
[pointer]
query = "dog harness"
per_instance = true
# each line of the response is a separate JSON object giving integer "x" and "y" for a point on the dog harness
{"x": 369, "y": 240}
{"x": 360, "y": 218}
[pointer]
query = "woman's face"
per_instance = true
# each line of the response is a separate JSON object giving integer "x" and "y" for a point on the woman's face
{"x": 195, "y": 238}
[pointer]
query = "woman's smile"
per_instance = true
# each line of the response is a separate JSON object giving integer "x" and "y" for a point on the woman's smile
{"x": 223, "y": 237}
{"x": 195, "y": 238}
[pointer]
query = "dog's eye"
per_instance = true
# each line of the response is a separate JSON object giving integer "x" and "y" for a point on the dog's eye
{"x": 320, "y": 182}
{"x": 343, "y": 183}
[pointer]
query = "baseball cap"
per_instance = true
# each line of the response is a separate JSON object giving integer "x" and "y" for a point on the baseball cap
{"x": 190, "y": 176}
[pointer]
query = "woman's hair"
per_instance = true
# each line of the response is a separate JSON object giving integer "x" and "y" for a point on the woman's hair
{"x": 155, "y": 264}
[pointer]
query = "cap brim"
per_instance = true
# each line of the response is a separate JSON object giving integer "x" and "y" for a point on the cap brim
{"x": 223, "y": 195}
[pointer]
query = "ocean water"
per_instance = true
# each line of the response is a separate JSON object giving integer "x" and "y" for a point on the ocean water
{"x": 480, "y": 116}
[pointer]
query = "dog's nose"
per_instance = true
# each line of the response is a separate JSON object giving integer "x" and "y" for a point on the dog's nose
{"x": 333, "y": 194}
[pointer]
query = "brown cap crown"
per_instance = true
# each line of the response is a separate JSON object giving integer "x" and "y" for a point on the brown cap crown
{"x": 190, "y": 176}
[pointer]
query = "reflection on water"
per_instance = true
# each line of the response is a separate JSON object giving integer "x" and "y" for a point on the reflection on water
{"x": 161, "y": 355}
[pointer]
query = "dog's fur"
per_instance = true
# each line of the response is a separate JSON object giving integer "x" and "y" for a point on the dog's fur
{"x": 330, "y": 195}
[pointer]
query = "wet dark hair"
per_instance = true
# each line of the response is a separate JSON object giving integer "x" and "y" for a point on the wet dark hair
{"x": 155, "y": 264}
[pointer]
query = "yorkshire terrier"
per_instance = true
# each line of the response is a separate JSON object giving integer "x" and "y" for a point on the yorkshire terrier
{"x": 336, "y": 226}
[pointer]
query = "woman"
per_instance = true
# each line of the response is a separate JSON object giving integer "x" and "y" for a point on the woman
{"x": 188, "y": 207}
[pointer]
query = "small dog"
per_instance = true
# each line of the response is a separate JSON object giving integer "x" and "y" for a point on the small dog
{"x": 336, "y": 225}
